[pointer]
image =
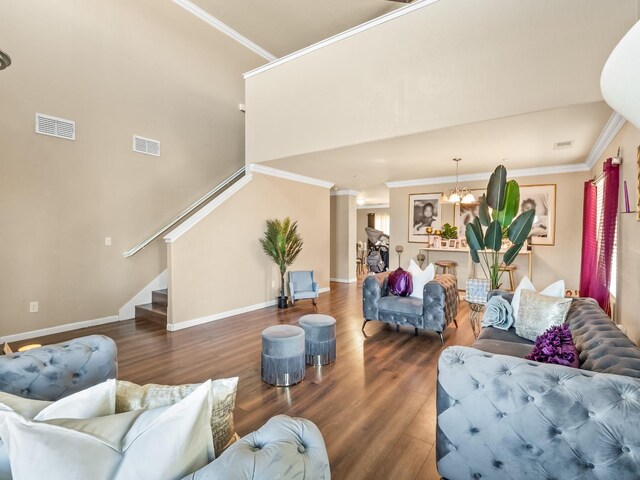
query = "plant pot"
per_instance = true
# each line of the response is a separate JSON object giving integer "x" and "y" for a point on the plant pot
{"x": 282, "y": 302}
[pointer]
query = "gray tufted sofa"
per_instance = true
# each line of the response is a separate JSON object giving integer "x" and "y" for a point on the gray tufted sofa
{"x": 283, "y": 448}
{"x": 437, "y": 308}
{"x": 503, "y": 417}
{"x": 55, "y": 371}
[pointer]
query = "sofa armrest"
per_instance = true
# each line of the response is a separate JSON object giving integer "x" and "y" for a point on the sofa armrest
{"x": 55, "y": 371}
{"x": 504, "y": 417}
{"x": 292, "y": 292}
{"x": 283, "y": 448}
{"x": 440, "y": 302}
{"x": 316, "y": 288}
{"x": 374, "y": 288}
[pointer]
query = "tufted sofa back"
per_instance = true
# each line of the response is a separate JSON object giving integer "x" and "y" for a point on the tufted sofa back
{"x": 602, "y": 346}
{"x": 55, "y": 371}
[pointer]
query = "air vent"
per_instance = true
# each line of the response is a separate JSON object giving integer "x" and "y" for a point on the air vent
{"x": 561, "y": 145}
{"x": 55, "y": 127}
{"x": 146, "y": 145}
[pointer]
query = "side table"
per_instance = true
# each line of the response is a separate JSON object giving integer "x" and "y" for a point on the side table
{"x": 475, "y": 309}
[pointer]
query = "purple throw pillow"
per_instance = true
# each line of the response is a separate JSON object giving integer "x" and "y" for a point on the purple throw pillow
{"x": 400, "y": 283}
{"x": 556, "y": 346}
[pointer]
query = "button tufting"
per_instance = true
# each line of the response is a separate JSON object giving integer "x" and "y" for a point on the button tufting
{"x": 477, "y": 475}
{"x": 591, "y": 466}
{"x": 592, "y": 414}
{"x": 530, "y": 398}
{"x": 508, "y": 372}
{"x": 625, "y": 449}
{"x": 301, "y": 449}
{"x": 558, "y": 431}
{"x": 474, "y": 430}
{"x": 528, "y": 446}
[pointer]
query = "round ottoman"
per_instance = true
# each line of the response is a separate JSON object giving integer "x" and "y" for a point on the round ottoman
{"x": 320, "y": 339}
{"x": 283, "y": 355}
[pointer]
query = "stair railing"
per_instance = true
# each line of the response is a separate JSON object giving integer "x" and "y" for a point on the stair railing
{"x": 191, "y": 208}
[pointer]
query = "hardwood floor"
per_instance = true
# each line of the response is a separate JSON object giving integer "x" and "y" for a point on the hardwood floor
{"x": 375, "y": 405}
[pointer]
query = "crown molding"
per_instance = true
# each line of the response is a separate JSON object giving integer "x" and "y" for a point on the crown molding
{"x": 339, "y": 193}
{"x": 294, "y": 177}
{"x": 517, "y": 172}
{"x": 341, "y": 36}
{"x": 609, "y": 132}
{"x": 224, "y": 28}
{"x": 373, "y": 206}
{"x": 197, "y": 217}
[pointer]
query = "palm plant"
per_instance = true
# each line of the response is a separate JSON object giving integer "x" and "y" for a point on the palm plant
{"x": 282, "y": 243}
{"x": 503, "y": 198}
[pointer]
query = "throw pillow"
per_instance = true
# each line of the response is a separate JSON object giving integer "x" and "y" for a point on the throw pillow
{"x": 130, "y": 396}
{"x": 498, "y": 313}
{"x": 400, "y": 283}
{"x": 556, "y": 346}
{"x": 95, "y": 401}
{"x": 556, "y": 289}
{"x": 168, "y": 442}
{"x": 539, "y": 312}
{"x": 420, "y": 278}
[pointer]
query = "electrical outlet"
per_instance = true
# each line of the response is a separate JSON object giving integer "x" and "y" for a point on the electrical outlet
{"x": 33, "y": 307}
{"x": 107, "y": 241}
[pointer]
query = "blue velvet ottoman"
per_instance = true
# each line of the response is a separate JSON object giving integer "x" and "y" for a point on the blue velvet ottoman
{"x": 320, "y": 338}
{"x": 283, "y": 355}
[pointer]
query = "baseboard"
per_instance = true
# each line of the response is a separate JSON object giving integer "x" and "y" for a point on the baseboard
{"x": 173, "y": 327}
{"x": 18, "y": 337}
{"x": 128, "y": 310}
{"x": 344, "y": 280}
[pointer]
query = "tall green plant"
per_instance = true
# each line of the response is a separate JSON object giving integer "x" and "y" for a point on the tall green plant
{"x": 282, "y": 243}
{"x": 497, "y": 213}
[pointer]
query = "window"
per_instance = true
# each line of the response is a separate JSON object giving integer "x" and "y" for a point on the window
{"x": 600, "y": 221}
{"x": 382, "y": 222}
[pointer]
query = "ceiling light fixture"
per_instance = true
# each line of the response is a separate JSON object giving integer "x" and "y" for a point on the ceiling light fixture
{"x": 5, "y": 60}
{"x": 458, "y": 195}
{"x": 360, "y": 201}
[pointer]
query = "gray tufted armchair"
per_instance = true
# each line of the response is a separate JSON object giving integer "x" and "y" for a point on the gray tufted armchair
{"x": 434, "y": 311}
{"x": 55, "y": 371}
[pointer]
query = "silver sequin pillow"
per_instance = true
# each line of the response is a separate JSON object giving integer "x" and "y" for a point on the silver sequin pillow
{"x": 538, "y": 312}
{"x": 130, "y": 396}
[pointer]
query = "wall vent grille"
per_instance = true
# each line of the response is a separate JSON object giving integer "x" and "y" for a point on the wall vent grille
{"x": 147, "y": 146}
{"x": 561, "y": 145}
{"x": 55, "y": 127}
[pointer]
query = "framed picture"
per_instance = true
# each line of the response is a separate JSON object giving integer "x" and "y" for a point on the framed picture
{"x": 452, "y": 243}
{"x": 465, "y": 212}
{"x": 424, "y": 211}
{"x": 542, "y": 199}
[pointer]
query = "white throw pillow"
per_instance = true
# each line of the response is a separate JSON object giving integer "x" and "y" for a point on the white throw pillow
{"x": 95, "y": 401}
{"x": 420, "y": 277}
{"x": 556, "y": 289}
{"x": 166, "y": 442}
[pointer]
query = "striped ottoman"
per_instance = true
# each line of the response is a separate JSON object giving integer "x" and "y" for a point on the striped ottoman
{"x": 283, "y": 355}
{"x": 320, "y": 339}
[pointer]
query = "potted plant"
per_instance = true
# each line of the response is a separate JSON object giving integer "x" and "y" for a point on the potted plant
{"x": 448, "y": 233}
{"x": 503, "y": 198}
{"x": 282, "y": 243}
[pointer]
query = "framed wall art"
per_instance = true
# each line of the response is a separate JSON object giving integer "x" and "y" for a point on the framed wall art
{"x": 542, "y": 199}
{"x": 424, "y": 211}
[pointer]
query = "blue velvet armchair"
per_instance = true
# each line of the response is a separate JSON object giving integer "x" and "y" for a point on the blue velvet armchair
{"x": 302, "y": 285}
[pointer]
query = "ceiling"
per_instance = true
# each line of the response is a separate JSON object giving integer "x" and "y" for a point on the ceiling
{"x": 521, "y": 141}
{"x": 285, "y": 26}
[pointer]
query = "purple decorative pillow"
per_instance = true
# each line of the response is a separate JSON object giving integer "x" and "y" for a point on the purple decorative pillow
{"x": 400, "y": 283}
{"x": 556, "y": 346}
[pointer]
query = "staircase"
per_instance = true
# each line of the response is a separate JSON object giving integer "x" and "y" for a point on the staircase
{"x": 156, "y": 311}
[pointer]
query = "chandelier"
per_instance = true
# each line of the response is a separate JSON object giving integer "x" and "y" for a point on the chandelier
{"x": 458, "y": 195}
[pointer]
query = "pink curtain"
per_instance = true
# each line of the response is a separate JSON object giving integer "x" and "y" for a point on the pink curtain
{"x": 597, "y": 243}
{"x": 589, "y": 243}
